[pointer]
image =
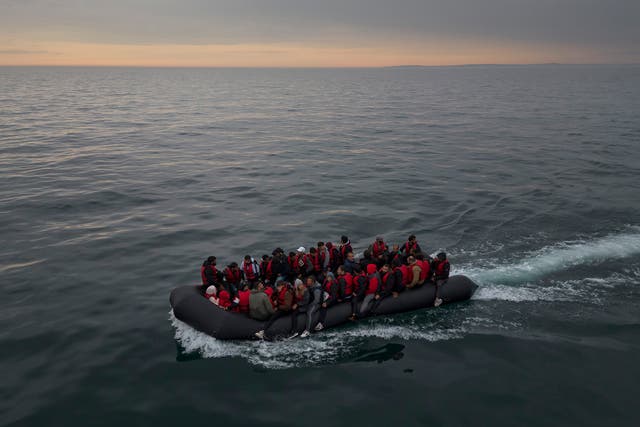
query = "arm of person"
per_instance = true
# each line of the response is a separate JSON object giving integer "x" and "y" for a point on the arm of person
{"x": 416, "y": 276}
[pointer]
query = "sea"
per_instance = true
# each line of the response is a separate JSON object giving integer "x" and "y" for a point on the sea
{"x": 116, "y": 184}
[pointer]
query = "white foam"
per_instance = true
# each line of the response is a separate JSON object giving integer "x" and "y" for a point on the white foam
{"x": 326, "y": 347}
{"x": 558, "y": 257}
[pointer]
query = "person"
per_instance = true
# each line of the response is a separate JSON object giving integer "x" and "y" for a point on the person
{"x": 345, "y": 247}
{"x": 311, "y": 304}
{"x": 302, "y": 264}
{"x": 335, "y": 259}
{"x": 394, "y": 254}
{"x": 279, "y": 265}
{"x": 349, "y": 263}
{"x": 209, "y": 273}
{"x": 360, "y": 284}
{"x": 301, "y": 301}
{"x": 324, "y": 255}
{"x": 379, "y": 249}
{"x": 416, "y": 271}
{"x": 250, "y": 270}
{"x": 211, "y": 294}
{"x": 411, "y": 246}
{"x": 425, "y": 267}
{"x": 233, "y": 276}
{"x": 385, "y": 289}
{"x": 345, "y": 284}
{"x": 331, "y": 297}
{"x": 243, "y": 299}
{"x": 226, "y": 298}
{"x": 398, "y": 279}
{"x": 291, "y": 260}
{"x": 440, "y": 275}
{"x": 372, "y": 290}
{"x": 317, "y": 261}
{"x": 266, "y": 271}
{"x": 284, "y": 306}
{"x": 260, "y": 306}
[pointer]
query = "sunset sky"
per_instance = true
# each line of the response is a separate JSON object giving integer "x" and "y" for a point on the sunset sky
{"x": 320, "y": 33}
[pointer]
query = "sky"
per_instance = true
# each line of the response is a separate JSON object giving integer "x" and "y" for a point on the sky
{"x": 318, "y": 33}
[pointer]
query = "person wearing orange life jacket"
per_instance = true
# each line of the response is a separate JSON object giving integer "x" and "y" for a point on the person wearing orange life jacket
{"x": 360, "y": 284}
{"x": 425, "y": 267}
{"x": 243, "y": 299}
{"x": 226, "y": 299}
{"x": 233, "y": 277}
{"x": 416, "y": 272}
{"x": 250, "y": 270}
{"x": 345, "y": 284}
{"x": 303, "y": 265}
{"x": 284, "y": 298}
{"x": 317, "y": 261}
{"x": 411, "y": 246}
{"x": 331, "y": 297}
{"x": 372, "y": 291}
{"x": 407, "y": 274}
{"x": 440, "y": 275}
{"x": 386, "y": 287}
{"x": 379, "y": 251}
{"x": 209, "y": 273}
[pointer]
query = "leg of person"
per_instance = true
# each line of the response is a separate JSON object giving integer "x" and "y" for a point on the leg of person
{"x": 365, "y": 306}
{"x": 438, "y": 301}
{"x": 321, "y": 318}
{"x": 354, "y": 307}
{"x": 278, "y": 314}
{"x": 294, "y": 324}
{"x": 310, "y": 313}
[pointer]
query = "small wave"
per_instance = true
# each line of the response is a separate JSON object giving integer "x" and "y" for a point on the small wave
{"x": 19, "y": 265}
{"x": 558, "y": 257}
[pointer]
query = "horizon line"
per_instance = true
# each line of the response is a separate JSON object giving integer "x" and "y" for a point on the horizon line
{"x": 324, "y": 67}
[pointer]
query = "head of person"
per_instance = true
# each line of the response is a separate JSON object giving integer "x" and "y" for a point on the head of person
{"x": 280, "y": 284}
{"x": 310, "y": 280}
{"x": 385, "y": 268}
{"x": 442, "y": 256}
{"x": 312, "y": 250}
{"x": 329, "y": 245}
{"x": 411, "y": 260}
{"x": 379, "y": 239}
{"x": 396, "y": 262}
{"x": 366, "y": 254}
{"x": 412, "y": 239}
{"x": 292, "y": 254}
{"x": 211, "y": 290}
{"x": 265, "y": 257}
{"x": 260, "y": 286}
{"x": 301, "y": 250}
{"x": 357, "y": 269}
{"x": 244, "y": 286}
{"x": 344, "y": 239}
{"x": 320, "y": 246}
{"x": 330, "y": 276}
{"x": 340, "y": 271}
{"x": 211, "y": 260}
{"x": 234, "y": 265}
{"x": 395, "y": 248}
{"x": 420, "y": 256}
{"x": 351, "y": 256}
{"x": 247, "y": 258}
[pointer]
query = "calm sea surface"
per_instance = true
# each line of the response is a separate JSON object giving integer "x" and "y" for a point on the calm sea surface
{"x": 116, "y": 183}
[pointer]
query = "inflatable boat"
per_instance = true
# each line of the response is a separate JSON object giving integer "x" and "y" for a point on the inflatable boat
{"x": 191, "y": 307}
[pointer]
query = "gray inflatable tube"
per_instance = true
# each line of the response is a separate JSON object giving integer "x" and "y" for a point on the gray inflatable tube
{"x": 190, "y": 306}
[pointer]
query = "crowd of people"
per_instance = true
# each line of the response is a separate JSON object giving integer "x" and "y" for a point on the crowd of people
{"x": 310, "y": 282}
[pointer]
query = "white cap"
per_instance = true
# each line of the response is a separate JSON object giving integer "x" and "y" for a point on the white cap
{"x": 297, "y": 283}
{"x": 211, "y": 290}
{"x": 301, "y": 249}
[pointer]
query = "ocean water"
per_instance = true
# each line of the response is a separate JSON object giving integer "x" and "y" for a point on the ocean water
{"x": 116, "y": 183}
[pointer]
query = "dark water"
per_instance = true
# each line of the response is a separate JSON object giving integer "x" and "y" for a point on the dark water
{"x": 116, "y": 183}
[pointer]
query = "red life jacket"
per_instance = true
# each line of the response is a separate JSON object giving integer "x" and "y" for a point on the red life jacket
{"x": 357, "y": 285}
{"x": 249, "y": 271}
{"x": 204, "y": 276}
{"x": 328, "y": 284}
{"x": 317, "y": 261}
{"x": 232, "y": 276}
{"x": 224, "y": 299}
{"x": 378, "y": 249}
{"x": 348, "y": 284}
{"x": 424, "y": 267}
{"x": 243, "y": 304}
{"x": 334, "y": 257}
{"x": 374, "y": 280}
{"x": 441, "y": 270}
{"x": 408, "y": 247}
{"x": 269, "y": 291}
{"x": 407, "y": 275}
{"x": 345, "y": 249}
{"x": 385, "y": 278}
{"x": 281, "y": 296}
{"x": 269, "y": 271}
